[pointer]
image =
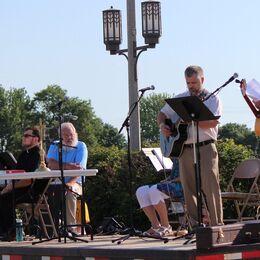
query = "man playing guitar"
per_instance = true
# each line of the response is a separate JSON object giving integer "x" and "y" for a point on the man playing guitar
{"x": 207, "y": 131}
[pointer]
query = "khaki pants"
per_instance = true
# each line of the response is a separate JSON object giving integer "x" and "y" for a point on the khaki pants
{"x": 71, "y": 204}
{"x": 209, "y": 182}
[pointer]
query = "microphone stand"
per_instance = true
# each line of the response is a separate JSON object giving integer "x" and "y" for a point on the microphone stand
{"x": 130, "y": 231}
{"x": 63, "y": 230}
{"x": 219, "y": 88}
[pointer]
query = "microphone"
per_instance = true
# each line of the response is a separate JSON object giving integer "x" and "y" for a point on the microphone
{"x": 238, "y": 81}
{"x": 147, "y": 88}
{"x": 235, "y": 75}
{"x": 58, "y": 104}
{"x": 70, "y": 116}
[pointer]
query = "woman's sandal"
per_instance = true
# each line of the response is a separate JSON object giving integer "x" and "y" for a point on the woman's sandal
{"x": 151, "y": 232}
{"x": 165, "y": 231}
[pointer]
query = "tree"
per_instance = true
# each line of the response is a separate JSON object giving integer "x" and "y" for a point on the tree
{"x": 19, "y": 111}
{"x": 90, "y": 128}
{"x": 149, "y": 109}
{"x": 240, "y": 134}
{"x": 16, "y": 113}
{"x": 108, "y": 193}
{"x": 230, "y": 155}
{"x": 109, "y": 136}
{"x": 44, "y": 101}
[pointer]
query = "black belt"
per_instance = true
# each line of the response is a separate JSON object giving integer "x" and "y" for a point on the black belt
{"x": 200, "y": 143}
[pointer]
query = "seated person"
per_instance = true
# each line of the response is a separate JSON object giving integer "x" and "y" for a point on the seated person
{"x": 24, "y": 190}
{"x": 152, "y": 200}
{"x": 74, "y": 157}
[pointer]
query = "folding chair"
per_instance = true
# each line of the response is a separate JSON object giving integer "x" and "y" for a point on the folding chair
{"x": 243, "y": 188}
{"x": 82, "y": 212}
{"x": 39, "y": 209}
{"x": 177, "y": 207}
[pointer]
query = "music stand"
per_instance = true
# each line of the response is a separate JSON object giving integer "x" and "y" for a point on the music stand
{"x": 7, "y": 161}
{"x": 192, "y": 109}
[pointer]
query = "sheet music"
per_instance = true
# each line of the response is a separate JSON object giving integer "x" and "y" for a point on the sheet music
{"x": 158, "y": 160}
{"x": 253, "y": 89}
{"x": 165, "y": 162}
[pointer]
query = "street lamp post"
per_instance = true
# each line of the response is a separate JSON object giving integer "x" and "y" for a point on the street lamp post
{"x": 151, "y": 31}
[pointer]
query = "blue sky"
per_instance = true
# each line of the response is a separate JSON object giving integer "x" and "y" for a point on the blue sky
{"x": 60, "y": 42}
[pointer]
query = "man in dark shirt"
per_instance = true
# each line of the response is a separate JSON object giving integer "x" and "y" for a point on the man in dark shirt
{"x": 23, "y": 190}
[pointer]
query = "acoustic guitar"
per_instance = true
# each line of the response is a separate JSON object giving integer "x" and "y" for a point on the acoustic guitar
{"x": 172, "y": 146}
{"x": 252, "y": 106}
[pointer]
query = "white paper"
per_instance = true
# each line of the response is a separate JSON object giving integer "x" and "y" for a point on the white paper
{"x": 158, "y": 160}
{"x": 253, "y": 89}
{"x": 165, "y": 162}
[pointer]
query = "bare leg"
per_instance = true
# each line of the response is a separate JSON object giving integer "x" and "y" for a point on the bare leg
{"x": 147, "y": 196}
{"x": 161, "y": 209}
{"x": 151, "y": 214}
{"x": 163, "y": 213}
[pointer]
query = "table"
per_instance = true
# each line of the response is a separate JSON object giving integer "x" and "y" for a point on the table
{"x": 46, "y": 174}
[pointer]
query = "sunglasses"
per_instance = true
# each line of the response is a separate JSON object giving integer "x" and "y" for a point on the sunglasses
{"x": 28, "y": 135}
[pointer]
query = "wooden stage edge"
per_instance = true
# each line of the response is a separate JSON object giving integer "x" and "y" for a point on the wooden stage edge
{"x": 102, "y": 248}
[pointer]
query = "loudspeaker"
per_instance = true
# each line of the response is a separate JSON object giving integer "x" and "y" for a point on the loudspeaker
{"x": 110, "y": 226}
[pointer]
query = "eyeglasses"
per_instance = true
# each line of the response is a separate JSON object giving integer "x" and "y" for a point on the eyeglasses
{"x": 28, "y": 135}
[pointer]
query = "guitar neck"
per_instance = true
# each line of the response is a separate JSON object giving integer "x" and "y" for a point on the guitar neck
{"x": 252, "y": 106}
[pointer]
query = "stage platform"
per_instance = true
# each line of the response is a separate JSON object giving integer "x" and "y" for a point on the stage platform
{"x": 101, "y": 248}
